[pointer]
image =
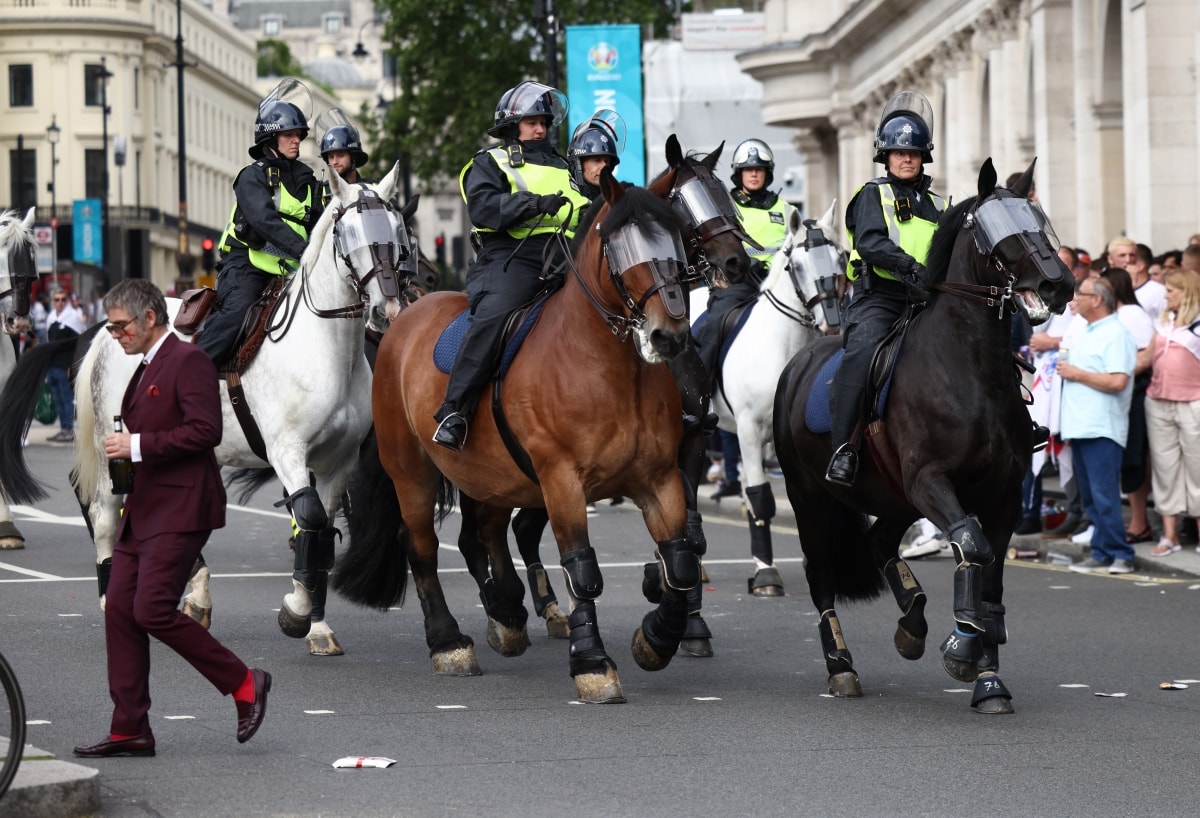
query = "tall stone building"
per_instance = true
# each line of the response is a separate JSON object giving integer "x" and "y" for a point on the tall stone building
{"x": 1105, "y": 93}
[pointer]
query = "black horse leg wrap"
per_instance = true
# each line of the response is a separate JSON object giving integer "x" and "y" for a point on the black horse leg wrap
{"x": 103, "y": 572}
{"x": 585, "y": 633}
{"x": 695, "y": 532}
{"x": 762, "y": 504}
{"x": 695, "y": 599}
{"x": 969, "y": 611}
{"x": 583, "y": 572}
{"x": 903, "y": 584}
{"x": 837, "y": 655}
{"x": 665, "y": 626}
{"x": 314, "y": 551}
{"x": 994, "y": 630}
{"x": 760, "y": 540}
{"x": 307, "y": 508}
{"x": 652, "y": 583}
{"x": 680, "y": 563}
{"x": 319, "y": 592}
{"x": 539, "y": 588}
{"x": 969, "y": 544}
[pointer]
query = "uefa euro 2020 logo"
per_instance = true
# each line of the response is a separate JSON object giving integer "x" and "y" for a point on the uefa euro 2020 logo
{"x": 602, "y": 57}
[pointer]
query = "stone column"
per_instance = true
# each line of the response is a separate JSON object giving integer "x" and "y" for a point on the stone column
{"x": 1052, "y": 41}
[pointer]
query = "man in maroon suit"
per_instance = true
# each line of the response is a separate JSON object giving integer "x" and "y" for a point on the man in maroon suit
{"x": 172, "y": 415}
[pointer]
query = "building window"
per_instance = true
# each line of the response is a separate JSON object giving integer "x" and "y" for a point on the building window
{"x": 93, "y": 173}
{"x": 93, "y": 84}
{"x": 20, "y": 86}
{"x": 333, "y": 23}
{"x": 137, "y": 97}
{"x": 272, "y": 24}
{"x": 389, "y": 64}
{"x": 22, "y": 170}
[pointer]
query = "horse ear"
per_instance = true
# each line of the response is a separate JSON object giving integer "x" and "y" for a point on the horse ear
{"x": 610, "y": 188}
{"x": 710, "y": 161}
{"x": 410, "y": 208}
{"x": 337, "y": 185}
{"x": 27, "y": 222}
{"x": 1025, "y": 183}
{"x": 987, "y": 178}
{"x": 795, "y": 221}
{"x": 827, "y": 220}
{"x": 674, "y": 152}
{"x": 387, "y": 188}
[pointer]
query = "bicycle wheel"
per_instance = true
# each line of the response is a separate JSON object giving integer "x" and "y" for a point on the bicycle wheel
{"x": 12, "y": 726}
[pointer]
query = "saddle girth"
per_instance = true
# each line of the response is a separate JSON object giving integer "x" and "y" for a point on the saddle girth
{"x": 251, "y": 338}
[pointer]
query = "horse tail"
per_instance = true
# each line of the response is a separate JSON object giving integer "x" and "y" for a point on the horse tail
{"x": 447, "y": 500}
{"x": 89, "y": 450}
{"x": 17, "y": 404}
{"x": 248, "y": 481}
{"x": 856, "y": 577}
{"x": 373, "y": 569}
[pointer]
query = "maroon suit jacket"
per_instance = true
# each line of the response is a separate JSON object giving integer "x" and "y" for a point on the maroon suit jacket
{"x": 176, "y": 408}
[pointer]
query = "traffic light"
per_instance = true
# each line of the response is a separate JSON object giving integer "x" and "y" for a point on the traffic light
{"x": 207, "y": 257}
{"x": 440, "y": 245}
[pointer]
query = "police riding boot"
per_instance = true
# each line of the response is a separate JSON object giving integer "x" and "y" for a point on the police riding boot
{"x": 843, "y": 466}
{"x": 452, "y": 429}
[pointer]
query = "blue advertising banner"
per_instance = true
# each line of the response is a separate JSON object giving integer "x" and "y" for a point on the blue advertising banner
{"x": 88, "y": 237}
{"x": 604, "y": 70}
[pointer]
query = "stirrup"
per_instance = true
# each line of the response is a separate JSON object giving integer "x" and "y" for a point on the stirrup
{"x": 452, "y": 432}
{"x": 843, "y": 466}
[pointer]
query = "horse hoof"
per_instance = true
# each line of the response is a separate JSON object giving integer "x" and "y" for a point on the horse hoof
{"x": 963, "y": 671}
{"x": 11, "y": 544}
{"x": 700, "y": 648}
{"x": 703, "y": 573}
{"x": 908, "y": 645}
{"x": 599, "y": 688}
{"x": 996, "y": 706}
{"x": 647, "y": 657}
{"x": 292, "y": 625}
{"x": 323, "y": 644}
{"x": 505, "y": 640}
{"x": 766, "y": 582}
{"x": 201, "y": 615}
{"x": 845, "y": 685}
{"x": 556, "y": 623}
{"x": 457, "y": 662}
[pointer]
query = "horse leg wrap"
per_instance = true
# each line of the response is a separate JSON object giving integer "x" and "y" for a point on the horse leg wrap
{"x": 760, "y": 540}
{"x": 988, "y": 687}
{"x": 969, "y": 544}
{"x": 652, "y": 583}
{"x": 320, "y": 593}
{"x": 994, "y": 630}
{"x": 762, "y": 504}
{"x": 539, "y": 588}
{"x": 307, "y": 509}
{"x": 583, "y": 574}
{"x": 680, "y": 563}
{"x": 695, "y": 599}
{"x": 664, "y": 627}
{"x": 968, "y": 598}
{"x": 103, "y": 572}
{"x": 904, "y": 585}
{"x": 585, "y": 633}
{"x": 963, "y": 647}
{"x": 314, "y": 552}
{"x": 837, "y": 655}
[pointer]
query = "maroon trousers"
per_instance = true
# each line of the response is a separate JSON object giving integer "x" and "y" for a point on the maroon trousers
{"x": 148, "y": 577}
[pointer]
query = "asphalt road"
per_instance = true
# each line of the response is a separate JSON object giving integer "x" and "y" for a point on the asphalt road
{"x": 747, "y": 732}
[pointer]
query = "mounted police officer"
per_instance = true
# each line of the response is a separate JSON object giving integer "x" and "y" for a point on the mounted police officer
{"x": 596, "y": 144}
{"x": 518, "y": 195}
{"x": 890, "y": 221}
{"x": 765, "y": 218}
{"x": 341, "y": 148}
{"x": 278, "y": 200}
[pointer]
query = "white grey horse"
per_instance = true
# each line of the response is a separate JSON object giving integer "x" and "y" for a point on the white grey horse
{"x": 17, "y": 272}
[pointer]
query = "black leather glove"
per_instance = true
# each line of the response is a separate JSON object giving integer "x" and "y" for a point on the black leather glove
{"x": 917, "y": 282}
{"x": 551, "y": 202}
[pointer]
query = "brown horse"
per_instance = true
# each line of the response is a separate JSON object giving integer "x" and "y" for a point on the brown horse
{"x": 593, "y": 413}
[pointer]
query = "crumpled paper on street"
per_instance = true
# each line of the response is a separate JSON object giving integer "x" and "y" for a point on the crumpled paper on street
{"x": 359, "y": 762}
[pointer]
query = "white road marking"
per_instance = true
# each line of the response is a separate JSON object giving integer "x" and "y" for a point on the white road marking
{"x": 178, "y": 718}
{"x": 318, "y": 712}
{"x": 450, "y": 706}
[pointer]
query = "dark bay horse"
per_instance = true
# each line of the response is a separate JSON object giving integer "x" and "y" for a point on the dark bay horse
{"x": 713, "y": 238}
{"x": 954, "y": 442}
{"x": 594, "y": 414}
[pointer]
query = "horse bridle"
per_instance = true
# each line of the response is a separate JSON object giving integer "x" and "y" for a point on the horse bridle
{"x": 814, "y": 237}
{"x": 708, "y": 212}
{"x": 22, "y": 272}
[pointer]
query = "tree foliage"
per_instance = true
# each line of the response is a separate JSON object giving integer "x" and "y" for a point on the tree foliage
{"x": 454, "y": 58}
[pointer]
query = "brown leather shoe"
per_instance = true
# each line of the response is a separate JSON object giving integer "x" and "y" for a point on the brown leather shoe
{"x": 107, "y": 747}
{"x": 250, "y": 714}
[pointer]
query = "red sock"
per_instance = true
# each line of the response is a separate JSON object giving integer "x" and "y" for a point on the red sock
{"x": 245, "y": 692}
{"x": 118, "y": 737}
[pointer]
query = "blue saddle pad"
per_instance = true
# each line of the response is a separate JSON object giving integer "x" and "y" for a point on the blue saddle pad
{"x": 446, "y": 348}
{"x": 733, "y": 333}
{"x": 816, "y": 411}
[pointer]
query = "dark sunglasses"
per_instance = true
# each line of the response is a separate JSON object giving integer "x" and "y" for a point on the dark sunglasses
{"x": 118, "y": 326}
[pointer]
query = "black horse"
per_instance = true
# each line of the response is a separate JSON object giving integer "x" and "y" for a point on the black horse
{"x": 953, "y": 443}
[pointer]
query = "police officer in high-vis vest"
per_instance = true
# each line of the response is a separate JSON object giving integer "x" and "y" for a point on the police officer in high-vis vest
{"x": 890, "y": 221}
{"x": 278, "y": 200}
{"x": 764, "y": 217}
{"x": 518, "y": 195}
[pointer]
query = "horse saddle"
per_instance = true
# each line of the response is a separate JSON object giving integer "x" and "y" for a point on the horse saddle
{"x": 732, "y": 323}
{"x": 883, "y": 365}
{"x": 516, "y": 329}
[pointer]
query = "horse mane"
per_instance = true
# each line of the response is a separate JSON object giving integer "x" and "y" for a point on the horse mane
{"x": 942, "y": 246}
{"x": 316, "y": 239}
{"x": 636, "y": 204}
{"x": 12, "y": 230}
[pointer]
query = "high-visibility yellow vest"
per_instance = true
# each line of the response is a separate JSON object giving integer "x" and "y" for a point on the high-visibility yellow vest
{"x": 269, "y": 258}
{"x": 767, "y": 227}
{"x": 539, "y": 179}
{"x": 913, "y": 235}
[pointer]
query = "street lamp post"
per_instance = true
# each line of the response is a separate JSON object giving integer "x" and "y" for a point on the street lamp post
{"x": 104, "y": 77}
{"x": 52, "y": 134}
{"x": 184, "y": 258}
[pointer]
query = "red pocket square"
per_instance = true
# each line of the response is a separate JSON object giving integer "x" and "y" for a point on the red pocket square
{"x": 152, "y": 391}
